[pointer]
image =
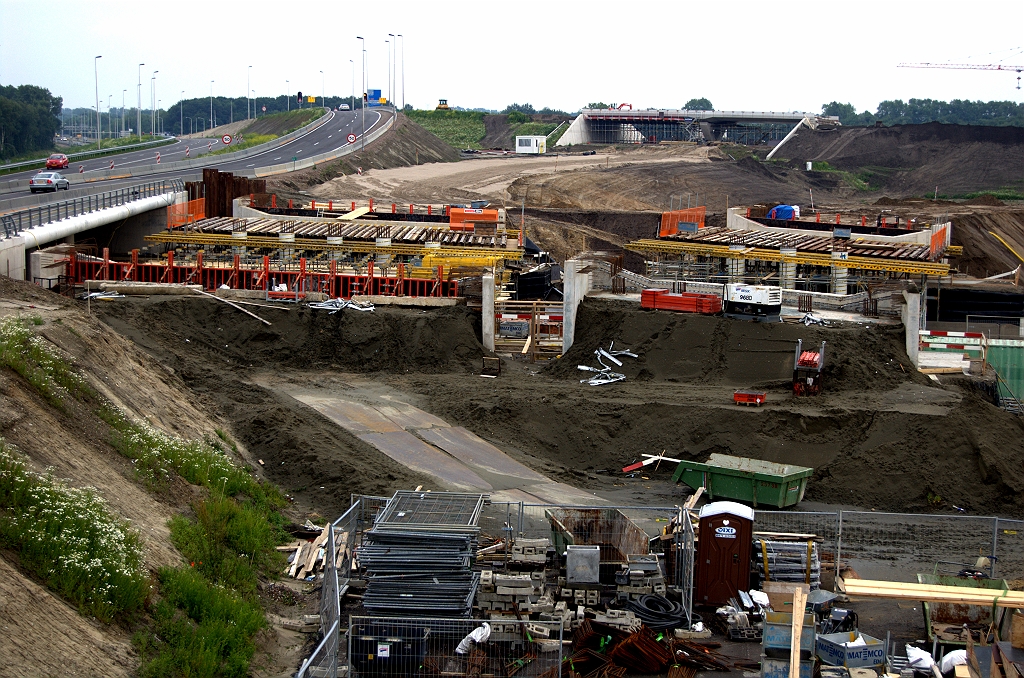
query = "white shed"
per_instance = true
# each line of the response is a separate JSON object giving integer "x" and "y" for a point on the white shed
{"x": 531, "y": 144}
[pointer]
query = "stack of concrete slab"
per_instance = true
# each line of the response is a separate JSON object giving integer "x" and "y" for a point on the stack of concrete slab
{"x": 504, "y": 592}
{"x": 642, "y": 576}
{"x": 530, "y": 550}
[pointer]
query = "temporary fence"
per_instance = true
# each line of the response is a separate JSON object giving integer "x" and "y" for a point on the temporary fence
{"x": 15, "y": 222}
{"x": 910, "y": 542}
{"x": 184, "y": 213}
{"x": 379, "y": 646}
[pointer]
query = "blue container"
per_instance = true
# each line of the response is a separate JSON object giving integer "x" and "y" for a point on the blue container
{"x": 831, "y": 650}
{"x": 779, "y": 668}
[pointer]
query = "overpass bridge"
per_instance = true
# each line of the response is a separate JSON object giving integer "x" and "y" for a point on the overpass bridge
{"x": 622, "y": 126}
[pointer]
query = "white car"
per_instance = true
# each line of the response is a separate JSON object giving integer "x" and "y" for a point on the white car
{"x": 343, "y": 107}
{"x": 48, "y": 181}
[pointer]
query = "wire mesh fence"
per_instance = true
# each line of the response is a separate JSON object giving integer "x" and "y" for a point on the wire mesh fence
{"x": 385, "y": 646}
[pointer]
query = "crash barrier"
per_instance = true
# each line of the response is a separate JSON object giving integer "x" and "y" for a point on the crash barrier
{"x": 258, "y": 273}
{"x": 16, "y": 222}
{"x": 437, "y": 646}
{"x": 89, "y": 154}
{"x": 911, "y": 542}
{"x": 605, "y": 525}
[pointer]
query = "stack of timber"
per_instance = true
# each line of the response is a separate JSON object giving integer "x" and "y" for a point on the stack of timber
{"x": 307, "y": 558}
{"x": 933, "y": 593}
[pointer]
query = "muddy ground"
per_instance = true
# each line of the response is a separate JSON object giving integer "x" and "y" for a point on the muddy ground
{"x": 881, "y": 436}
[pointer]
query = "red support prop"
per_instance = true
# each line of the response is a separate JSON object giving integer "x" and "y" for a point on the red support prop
{"x": 430, "y": 209}
{"x": 748, "y": 213}
{"x": 353, "y": 206}
{"x": 273, "y": 200}
{"x": 368, "y": 289}
{"x": 135, "y": 265}
{"x": 817, "y": 218}
{"x": 863, "y": 220}
{"x": 266, "y": 273}
{"x": 289, "y": 203}
{"x": 330, "y": 205}
{"x": 394, "y": 208}
{"x": 837, "y": 218}
{"x": 312, "y": 204}
{"x": 106, "y": 263}
{"x": 410, "y": 209}
{"x": 333, "y": 280}
{"x": 371, "y": 204}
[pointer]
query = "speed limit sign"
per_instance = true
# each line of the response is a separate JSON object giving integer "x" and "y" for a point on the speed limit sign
{"x": 351, "y": 138}
{"x": 226, "y": 139}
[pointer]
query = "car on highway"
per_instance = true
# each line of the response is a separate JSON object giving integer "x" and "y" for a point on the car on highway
{"x": 343, "y": 107}
{"x": 57, "y": 161}
{"x": 48, "y": 181}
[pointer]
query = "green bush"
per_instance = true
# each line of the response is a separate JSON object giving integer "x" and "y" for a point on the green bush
{"x": 517, "y": 117}
{"x": 200, "y": 630}
{"x": 69, "y": 538}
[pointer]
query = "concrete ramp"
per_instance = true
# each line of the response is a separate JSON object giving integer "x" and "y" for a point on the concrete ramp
{"x": 475, "y": 451}
{"x": 410, "y": 451}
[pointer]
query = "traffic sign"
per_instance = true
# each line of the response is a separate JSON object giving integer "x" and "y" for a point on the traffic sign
{"x": 351, "y": 138}
{"x": 226, "y": 139}
{"x": 264, "y": 109}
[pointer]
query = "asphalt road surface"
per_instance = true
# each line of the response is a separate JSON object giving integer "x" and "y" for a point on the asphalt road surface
{"x": 329, "y": 136}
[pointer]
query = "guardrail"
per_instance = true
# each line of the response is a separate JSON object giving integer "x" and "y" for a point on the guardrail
{"x": 201, "y": 161}
{"x": 83, "y": 154}
{"x": 16, "y": 222}
{"x": 281, "y": 168}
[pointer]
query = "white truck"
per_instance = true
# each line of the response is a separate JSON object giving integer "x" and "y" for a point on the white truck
{"x": 753, "y": 302}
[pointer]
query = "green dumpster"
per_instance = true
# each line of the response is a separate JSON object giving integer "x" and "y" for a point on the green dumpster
{"x": 756, "y": 482}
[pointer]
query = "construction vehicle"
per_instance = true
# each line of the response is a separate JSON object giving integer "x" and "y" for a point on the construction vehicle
{"x": 442, "y": 105}
{"x": 807, "y": 366}
{"x": 762, "y": 303}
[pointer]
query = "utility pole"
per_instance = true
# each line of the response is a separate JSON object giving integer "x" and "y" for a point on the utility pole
{"x": 138, "y": 109}
{"x": 96, "y": 73}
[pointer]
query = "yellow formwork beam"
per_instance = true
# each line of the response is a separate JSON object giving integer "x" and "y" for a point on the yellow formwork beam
{"x": 272, "y": 242}
{"x": 806, "y": 258}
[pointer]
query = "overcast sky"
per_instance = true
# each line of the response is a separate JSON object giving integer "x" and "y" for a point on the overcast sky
{"x": 742, "y": 55}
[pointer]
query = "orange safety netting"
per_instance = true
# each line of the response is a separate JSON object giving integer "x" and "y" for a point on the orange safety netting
{"x": 186, "y": 213}
{"x": 670, "y": 220}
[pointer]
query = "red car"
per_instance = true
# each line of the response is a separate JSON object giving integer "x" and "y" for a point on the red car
{"x": 57, "y": 161}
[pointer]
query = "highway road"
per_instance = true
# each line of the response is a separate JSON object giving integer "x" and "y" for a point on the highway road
{"x": 329, "y": 136}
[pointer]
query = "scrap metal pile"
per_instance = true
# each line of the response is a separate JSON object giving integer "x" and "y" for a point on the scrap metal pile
{"x": 605, "y": 375}
{"x": 335, "y": 305}
{"x": 418, "y": 555}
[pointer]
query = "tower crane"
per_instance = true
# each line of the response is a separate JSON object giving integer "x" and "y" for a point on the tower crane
{"x": 974, "y": 67}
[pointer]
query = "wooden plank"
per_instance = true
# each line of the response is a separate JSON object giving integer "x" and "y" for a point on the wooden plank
{"x": 295, "y": 563}
{"x": 799, "y": 603}
{"x": 933, "y": 593}
{"x": 693, "y": 499}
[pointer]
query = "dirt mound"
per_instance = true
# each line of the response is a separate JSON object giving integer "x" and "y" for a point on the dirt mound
{"x": 406, "y": 144}
{"x": 915, "y": 159}
{"x": 696, "y": 349}
{"x": 985, "y": 200}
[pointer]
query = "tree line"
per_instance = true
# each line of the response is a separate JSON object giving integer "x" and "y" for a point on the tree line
{"x": 29, "y": 117}
{"x": 918, "y": 111}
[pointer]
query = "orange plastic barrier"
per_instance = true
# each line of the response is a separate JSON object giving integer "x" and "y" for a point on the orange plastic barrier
{"x": 186, "y": 212}
{"x": 670, "y": 220}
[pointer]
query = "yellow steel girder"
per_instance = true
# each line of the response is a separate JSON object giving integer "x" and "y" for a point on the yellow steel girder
{"x": 807, "y": 258}
{"x": 273, "y": 242}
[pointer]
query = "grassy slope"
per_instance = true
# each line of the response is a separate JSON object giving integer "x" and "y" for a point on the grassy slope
{"x": 459, "y": 129}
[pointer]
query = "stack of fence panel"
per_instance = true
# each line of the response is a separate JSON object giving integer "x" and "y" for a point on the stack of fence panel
{"x": 686, "y": 302}
{"x": 787, "y": 561}
{"x": 418, "y": 555}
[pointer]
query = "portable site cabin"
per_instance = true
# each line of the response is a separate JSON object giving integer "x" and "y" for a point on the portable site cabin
{"x": 531, "y": 144}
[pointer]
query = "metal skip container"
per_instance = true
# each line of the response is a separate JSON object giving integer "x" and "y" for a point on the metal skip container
{"x": 759, "y": 483}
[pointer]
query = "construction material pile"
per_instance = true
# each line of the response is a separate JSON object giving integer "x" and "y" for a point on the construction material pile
{"x": 788, "y": 561}
{"x": 685, "y": 302}
{"x": 308, "y": 558}
{"x": 605, "y": 375}
{"x": 417, "y": 555}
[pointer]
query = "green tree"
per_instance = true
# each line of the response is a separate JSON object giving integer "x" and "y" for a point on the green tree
{"x": 702, "y": 104}
{"x": 29, "y": 117}
{"x": 599, "y": 104}
{"x": 847, "y": 114}
{"x": 522, "y": 108}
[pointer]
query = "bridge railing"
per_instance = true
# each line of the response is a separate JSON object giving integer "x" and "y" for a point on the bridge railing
{"x": 16, "y": 222}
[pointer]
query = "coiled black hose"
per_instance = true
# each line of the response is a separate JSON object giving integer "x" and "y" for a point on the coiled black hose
{"x": 657, "y": 612}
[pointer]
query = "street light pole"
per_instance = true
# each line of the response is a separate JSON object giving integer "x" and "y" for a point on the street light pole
{"x": 181, "y": 113}
{"x": 255, "y": 111}
{"x": 363, "y": 105}
{"x": 353, "y": 98}
{"x": 212, "y": 122}
{"x": 388, "y": 43}
{"x": 121, "y": 132}
{"x": 110, "y": 119}
{"x": 248, "y": 84}
{"x": 152, "y": 119}
{"x": 96, "y": 73}
{"x": 288, "y": 97}
{"x": 403, "y": 70}
{"x": 323, "y": 98}
{"x": 138, "y": 109}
